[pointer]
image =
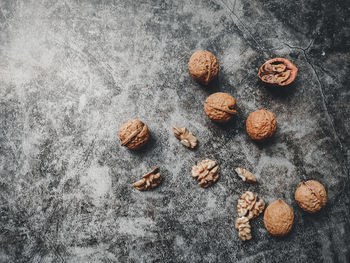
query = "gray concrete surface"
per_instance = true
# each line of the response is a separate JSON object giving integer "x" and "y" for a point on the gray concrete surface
{"x": 71, "y": 72}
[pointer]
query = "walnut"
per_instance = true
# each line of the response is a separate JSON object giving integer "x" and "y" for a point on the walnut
{"x": 261, "y": 124}
{"x": 149, "y": 180}
{"x": 311, "y": 196}
{"x": 278, "y": 218}
{"x": 133, "y": 134}
{"x": 220, "y": 107}
{"x": 203, "y": 66}
{"x": 185, "y": 137}
{"x": 248, "y": 205}
{"x": 206, "y": 172}
{"x": 243, "y": 227}
{"x": 245, "y": 175}
{"x": 278, "y": 72}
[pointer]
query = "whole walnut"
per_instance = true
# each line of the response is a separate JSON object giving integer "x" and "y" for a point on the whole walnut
{"x": 278, "y": 218}
{"x": 203, "y": 66}
{"x": 311, "y": 196}
{"x": 220, "y": 107}
{"x": 261, "y": 124}
{"x": 133, "y": 134}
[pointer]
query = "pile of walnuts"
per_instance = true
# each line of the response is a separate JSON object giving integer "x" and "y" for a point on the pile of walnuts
{"x": 261, "y": 125}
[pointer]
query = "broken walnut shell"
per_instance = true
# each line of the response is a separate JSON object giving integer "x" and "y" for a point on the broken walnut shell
{"x": 245, "y": 175}
{"x": 311, "y": 196}
{"x": 278, "y": 218}
{"x": 133, "y": 134}
{"x": 261, "y": 124}
{"x": 203, "y": 66}
{"x": 149, "y": 180}
{"x": 206, "y": 172}
{"x": 220, "y": 107}
{"x": 185, "y": 137}
{"x": 278, "y": 72}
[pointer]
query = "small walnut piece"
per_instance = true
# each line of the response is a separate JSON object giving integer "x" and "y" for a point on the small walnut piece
{"x": 261, "y": 124}
{"x": 203, "y": 66}
{"x": 245, "y": 175}
{"x": 311, "y": 196}
{"x": 249, "y": 206}
{"x": 220, "y": 107}
{"x": 278, "y": 218}
{"x": 278, "y": 72}
{"x": 206, "y": 172}
{"x": 243, "y": 227}
{"x": 133, "y": 134}
{"x": 185, "y": 137}
{"x": 149, "y": 180}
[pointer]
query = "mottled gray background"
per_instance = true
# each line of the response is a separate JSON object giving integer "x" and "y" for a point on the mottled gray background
{"x": 71, "y": 72}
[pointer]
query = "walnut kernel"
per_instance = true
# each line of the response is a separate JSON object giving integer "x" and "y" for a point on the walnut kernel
{"x": 245, "y": 175}
{"x": 206, "y": 172}
{"x": 243, "y": 227}
{"x": 185, "y": 137}
{"x": 248, "y": 205}
{"x": 149, "y": 180}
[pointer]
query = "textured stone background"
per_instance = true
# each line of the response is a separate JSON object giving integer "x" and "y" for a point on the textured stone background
{"x": 71, "y": 72}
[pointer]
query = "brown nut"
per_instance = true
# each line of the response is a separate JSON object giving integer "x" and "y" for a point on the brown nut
{"x": 220, "y": 107}
{"x": 203, "y": 66}
{"x": 311, "y": 196}
{"x": 206, "y": 172}
{"x": 133, "y": 134}
{"x": 149, "y": 180}
{"x": 261, "y": 124}
{"x": 278, "y": 218}
{"x": 278, "y": 72}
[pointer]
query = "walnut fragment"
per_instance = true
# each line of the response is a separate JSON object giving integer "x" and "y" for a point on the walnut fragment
{"x": 185, "y": 137}
{"x": 248, "y": 208}
{"x": 206, "y": 172}
{"x": 243, "y": 227}
{"x": 278, "y": 72}
{"x": 149, "y": 180}
{"x": 245, "y": 175}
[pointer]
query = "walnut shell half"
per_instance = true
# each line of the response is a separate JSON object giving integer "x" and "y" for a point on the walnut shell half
{"x": 261, "y": 124}
{"x": 203, "y": 66}
{"x": 220, "y": 107}
{"x": 278, "y": 218}
{"x": 278, "y": 72}
{"x": 311, "y": 196}
{"x": 133, "y": 134}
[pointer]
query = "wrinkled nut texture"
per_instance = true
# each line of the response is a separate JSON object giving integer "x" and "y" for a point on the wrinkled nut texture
{"x": 278, "y": 218}
{"x": 149, "y": 180}
{"x": 133, "y": 134}
{"x": 220, "y": 107}
{"x": 185, "y": 137}
{"x": 261, "y": 124}
{"x": 243, "y": 227}
{"x": 249, "y": 206}
{"x": 203, "y": 66}
{"x": 245, "y": 175}
{"x": 278, "y": 72}
{"x": 311, "y": 196}
{"x": 206, "y": 172}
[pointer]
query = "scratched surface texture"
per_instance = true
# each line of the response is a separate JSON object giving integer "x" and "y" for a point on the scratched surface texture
{"x": 71, "y": 72}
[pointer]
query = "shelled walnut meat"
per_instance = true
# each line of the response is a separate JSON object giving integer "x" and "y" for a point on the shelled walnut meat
{"x": 245, "y": 175}
{"x": 249, "y": 206}
{"x": 311, "y": 196}
{"x": 278, "y": 72}
{"x": 203, "y": 66}
{"x": 133, "y": 134}
{"x": 220, "y": 107}
{"x": 185, "y": 137}
{"x": 261, "y": 124}
{"x": 278, "y": 218}
{"x": 243, "y": 226}
{"x": 206, "y": 172}
{"x": 149, "y": 180}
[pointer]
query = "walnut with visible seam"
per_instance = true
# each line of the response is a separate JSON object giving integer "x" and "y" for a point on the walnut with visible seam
{"x": 206, "y": 172}
{"x": 133, "y": 134}
{"x": 149, "y": 180}
{"x": 261, "y": 124}
{"x": 185, "y": 137}
{"x": 203, "y": 66}
{"x": 220, "y": 107}
{"x": 311, "y": 196}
